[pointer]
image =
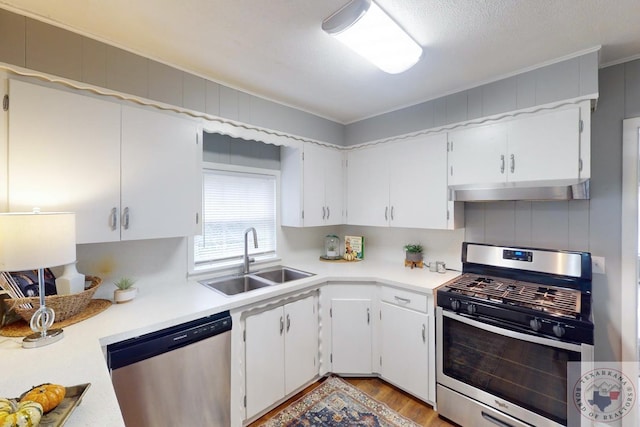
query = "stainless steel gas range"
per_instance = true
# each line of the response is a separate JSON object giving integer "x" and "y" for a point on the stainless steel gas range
{"x": 507, "y": 329}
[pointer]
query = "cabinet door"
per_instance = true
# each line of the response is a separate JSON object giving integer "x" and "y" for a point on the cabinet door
{"x": 334, "y": 186}
{"x": 351, "y": 341}
{"x": 545, "y": 147}
{"x": 315, "y": 165}
{"x": 64, "y": 155}
{"x": 368, "y": 187}
{"x": 160, "y": 174}
{"x": 404, "y": 342}
{"x": 291, "y": 186}
{"x": 323, "y": 182}
{"x": 418, "y": 182}
{"x": 478, "y": 155}
{"x": 301, "y": 343}
{"x": 264, "y": 356}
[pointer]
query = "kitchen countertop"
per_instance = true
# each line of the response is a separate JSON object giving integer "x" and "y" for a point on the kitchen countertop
{"x": 79, "y": 358}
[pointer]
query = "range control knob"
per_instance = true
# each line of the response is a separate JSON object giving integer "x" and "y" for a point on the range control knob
{"x": 471, "y": 308}
{"x": 558, "y": 330}
{"x": 535, "y": 324}
{"x": 455, "y": 304}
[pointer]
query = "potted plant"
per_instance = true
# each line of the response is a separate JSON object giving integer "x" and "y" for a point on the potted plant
{"x": 126, "y": 291}
{"x": 413, "y": 252}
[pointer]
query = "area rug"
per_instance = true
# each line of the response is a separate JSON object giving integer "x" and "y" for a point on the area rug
{"x": 336, "y": 403}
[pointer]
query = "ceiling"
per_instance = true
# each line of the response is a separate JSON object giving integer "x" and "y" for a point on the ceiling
{"x": 276, "y": 49}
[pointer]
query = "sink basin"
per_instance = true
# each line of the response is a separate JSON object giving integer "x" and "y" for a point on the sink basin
{"x": 232, "y": 285}
{"x": 235, "y": 285}
{"x": 282, "y": 274}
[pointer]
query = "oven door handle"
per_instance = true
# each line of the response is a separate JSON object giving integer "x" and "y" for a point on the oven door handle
{"x": 494, "y": 420}
{"x": 508, "y": 333}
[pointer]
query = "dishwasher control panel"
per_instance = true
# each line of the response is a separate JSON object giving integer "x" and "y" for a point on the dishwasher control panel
{"x": 155, "y": 343}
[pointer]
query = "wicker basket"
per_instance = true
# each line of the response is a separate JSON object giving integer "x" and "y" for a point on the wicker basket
{"x": 64, "y": 306}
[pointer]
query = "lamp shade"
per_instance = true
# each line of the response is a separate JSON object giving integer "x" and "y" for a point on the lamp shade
{"x": 30, "y": 241}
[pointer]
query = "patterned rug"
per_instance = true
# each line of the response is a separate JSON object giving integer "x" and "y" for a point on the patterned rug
{"x": 336, "y": 403}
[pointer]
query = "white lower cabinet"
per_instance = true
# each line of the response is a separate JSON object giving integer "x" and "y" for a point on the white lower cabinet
{"x": 281, "y": 351}
{"x": 407, "y": 339}
{"x": 351, "y": 336}
{"x": 404, "y": 344}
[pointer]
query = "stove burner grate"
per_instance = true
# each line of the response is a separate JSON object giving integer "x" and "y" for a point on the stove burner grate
{"x": 552, "y": 300}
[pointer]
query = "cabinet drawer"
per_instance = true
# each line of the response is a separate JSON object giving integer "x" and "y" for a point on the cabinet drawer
{"x": 403, "y": 298}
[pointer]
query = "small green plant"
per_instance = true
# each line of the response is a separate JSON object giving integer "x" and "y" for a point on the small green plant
{"x": 413, "y": 248}
{"x": 124, "y": 283}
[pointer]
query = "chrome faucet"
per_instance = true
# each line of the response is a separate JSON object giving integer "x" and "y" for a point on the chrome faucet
{"x": 247, "y": 260}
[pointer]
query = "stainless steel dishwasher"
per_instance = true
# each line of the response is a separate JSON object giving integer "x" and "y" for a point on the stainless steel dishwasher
{"x": 176, "y": 376}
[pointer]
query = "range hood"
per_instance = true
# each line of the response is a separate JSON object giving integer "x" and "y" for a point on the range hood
{"x": 533, "y": 191}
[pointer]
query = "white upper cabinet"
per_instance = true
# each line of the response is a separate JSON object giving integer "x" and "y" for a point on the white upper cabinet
{"x": 400, "y": 185}
{"x": 551, "y": 146}
{"x": 128, "y": 173}
{"x": 64, "y": 155}
{"x": 312, "y": 186}
{"x": 160, "y": 170}
{"x": 478, "y": 155}
{"x": 545, "y": 147}
{"x": 368, "y": 186}
{"x": 418, "y": 195}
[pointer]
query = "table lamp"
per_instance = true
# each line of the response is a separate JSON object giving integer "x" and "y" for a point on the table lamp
{"x": 35, "y": 241}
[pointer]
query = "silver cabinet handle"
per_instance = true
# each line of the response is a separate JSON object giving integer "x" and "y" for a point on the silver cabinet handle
{"x": 502, "y": 163}
{"x": 281, "y": 325}
{"x": 391, "y": 213}
{"x": 323, "y": 213}
{"x": 424, "y": 333}
{"x": 386, "y": 213}
{"x": 368, "y": 316}
{"x": 125, "y": 218}
{"x": 513, "y": 163}
{"x": 288, "y": 323}
{"x": 113, "y": 219}
{"x": 328, "y": 212}
{"x": 402, "y": 300}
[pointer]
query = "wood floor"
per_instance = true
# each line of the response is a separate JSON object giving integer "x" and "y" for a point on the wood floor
{"x": 396, "y": 399}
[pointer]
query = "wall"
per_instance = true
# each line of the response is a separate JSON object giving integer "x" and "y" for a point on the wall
{"x": 42, "y": 47}
{"x": 233, "y": 151}
{"x": 562, "y": 80}
{"x": 592, "y": 225}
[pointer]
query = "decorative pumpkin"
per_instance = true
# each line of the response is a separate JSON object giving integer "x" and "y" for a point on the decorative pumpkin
{"x": 47, "y": 394}
{"x": 23, "y": 414}
{"x": 350, "y": 256}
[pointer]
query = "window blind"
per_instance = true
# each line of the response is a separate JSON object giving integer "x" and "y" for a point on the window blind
{"x": 232, "y": 203}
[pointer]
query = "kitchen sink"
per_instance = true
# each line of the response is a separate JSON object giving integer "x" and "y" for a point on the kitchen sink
{"x": 235, "y": 284}
{"x": 282, "y": 274}
{"x": 232, "y": 285}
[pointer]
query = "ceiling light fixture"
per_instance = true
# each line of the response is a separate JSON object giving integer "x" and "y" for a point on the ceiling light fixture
{"x": 366, "y": 29}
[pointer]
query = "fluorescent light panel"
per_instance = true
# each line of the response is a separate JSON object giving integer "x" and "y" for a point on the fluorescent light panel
{"x": 366, "y": 29}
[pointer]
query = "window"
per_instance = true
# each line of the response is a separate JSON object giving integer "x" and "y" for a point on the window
{"x": 232, "y": 203}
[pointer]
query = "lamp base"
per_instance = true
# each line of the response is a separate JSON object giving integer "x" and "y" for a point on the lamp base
{"x": 40, "y": 340}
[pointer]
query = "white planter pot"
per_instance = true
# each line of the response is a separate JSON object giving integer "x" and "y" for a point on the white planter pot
{"x": 124, "y": 295}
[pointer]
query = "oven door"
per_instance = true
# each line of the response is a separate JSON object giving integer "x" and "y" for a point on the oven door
{"x": 518, "y": 374}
